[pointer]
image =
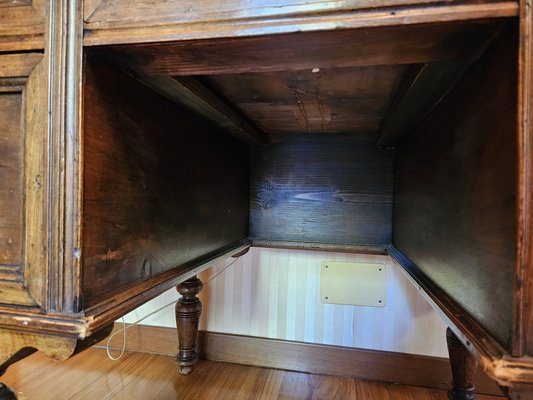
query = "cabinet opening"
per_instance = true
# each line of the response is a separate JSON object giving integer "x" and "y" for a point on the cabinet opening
{"x": 401, "y": 137}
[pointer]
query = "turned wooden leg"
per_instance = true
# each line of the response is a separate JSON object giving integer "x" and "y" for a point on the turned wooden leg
{"x": 188, "y": 310}
{"x": 6, "y": 393}
{"x": 519, "y": 393}
{"x": 463, "y": 367}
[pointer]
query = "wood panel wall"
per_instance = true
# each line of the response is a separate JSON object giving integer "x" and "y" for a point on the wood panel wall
{"x": 455, "y": 191}
{"x": 162, "y": 187}
{"x": 329, "y": 190}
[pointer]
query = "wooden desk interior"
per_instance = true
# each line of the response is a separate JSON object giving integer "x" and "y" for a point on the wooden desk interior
{"x": 183, "y": 139}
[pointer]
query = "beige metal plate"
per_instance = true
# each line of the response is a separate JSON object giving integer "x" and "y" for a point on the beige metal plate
{"x": 358, "y": 284}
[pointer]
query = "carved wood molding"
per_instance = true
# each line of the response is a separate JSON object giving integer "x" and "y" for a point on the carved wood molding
{"x": 21, "y": 278}
{"x": 113, "y": 23}
{"x": 22, "y": 25}
{"x": 65, "y": 65}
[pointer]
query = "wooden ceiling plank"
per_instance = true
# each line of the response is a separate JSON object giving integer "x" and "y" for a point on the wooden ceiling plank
{"x": 407, "y": 44}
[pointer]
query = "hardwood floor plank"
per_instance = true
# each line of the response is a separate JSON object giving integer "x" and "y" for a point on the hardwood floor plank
{"x": 92, "y": 376}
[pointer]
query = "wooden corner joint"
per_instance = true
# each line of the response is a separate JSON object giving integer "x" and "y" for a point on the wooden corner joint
{"x": 509, "y": 371}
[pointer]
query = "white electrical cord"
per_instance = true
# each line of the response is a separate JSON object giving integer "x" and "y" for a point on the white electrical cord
{"x": 126, "y": 327}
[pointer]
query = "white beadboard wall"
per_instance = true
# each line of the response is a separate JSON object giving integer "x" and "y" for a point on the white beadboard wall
{"x": 275, "y": 293}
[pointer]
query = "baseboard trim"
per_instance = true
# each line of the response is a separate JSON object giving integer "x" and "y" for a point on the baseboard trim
{"x": 400, "y": 368}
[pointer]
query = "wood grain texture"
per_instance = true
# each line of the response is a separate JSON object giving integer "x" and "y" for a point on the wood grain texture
{"x": 404, "y": 44}
{"x": 131, "y": 12}
{"x": 190, "y": 93}
{"x": 507, "y": 370}
{"x": 65, "y": 155}
{"x": 328, "y": 100}
{"x": 523, "y": 344}
{"x": 399, "y": 368}
{"x": 162, "y": 187}
{"x": 455, "y": 192}
{"x": 91, "y": 375}
{"x": 56, "y": 347}
{"x": 22, "y": 24}
{"x": 310, "y": 191}
{"x": 422, "y": 89}
{"x": 178, "y": 20}
{"x": 22, "y": 168}
{"x": 11, "y": 175}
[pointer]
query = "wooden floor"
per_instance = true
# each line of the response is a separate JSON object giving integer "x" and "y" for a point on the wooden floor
{"x": 91, "y": 375}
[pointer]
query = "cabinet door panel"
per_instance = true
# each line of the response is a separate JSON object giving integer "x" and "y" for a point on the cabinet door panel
{"x": 22, "y": 24}
{"x": 22, "y": 158}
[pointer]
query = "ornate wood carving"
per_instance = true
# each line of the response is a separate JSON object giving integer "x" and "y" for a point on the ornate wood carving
{"x": 188, "y": 310}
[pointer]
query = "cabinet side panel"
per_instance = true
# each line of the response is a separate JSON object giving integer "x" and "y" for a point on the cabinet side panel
{"x": 455, "y": 191}
{"x": 322, "y": 191}
{"x": 161, "y": 186}
{"x": 11, "y": 172}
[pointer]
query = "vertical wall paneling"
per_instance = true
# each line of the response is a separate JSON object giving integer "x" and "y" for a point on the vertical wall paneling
{"x": 275, "y": 293}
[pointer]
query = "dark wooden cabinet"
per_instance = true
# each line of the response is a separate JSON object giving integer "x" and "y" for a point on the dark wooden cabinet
{"x": 143, "y": 141}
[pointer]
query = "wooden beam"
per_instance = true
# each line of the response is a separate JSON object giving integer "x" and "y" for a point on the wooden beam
{"x": 190, "y": 93}
{"x": 422, "y": 89}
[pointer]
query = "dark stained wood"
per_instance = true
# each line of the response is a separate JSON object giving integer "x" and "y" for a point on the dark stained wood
{"x": 136, "y": 294}
{"x": 455, "y": 192}
{"x": 423, "y": 88}
{"x": 463, "y": 365}
{"x": 190, "y": 93}
{"x": 188, "y": 311}
{"x": 405, "y": 44}
{"x": 524, "y": 392}
{"x": 506, "y": 370}
{"x": 7, "y": 393}
{"x": 278, "y": 244}
{"x": 162, "y": 187}
{"x": 523, "y": 344}
{"x": 330, "y": 192}
{"x": 132, "y": 21}
{"x": 327, "y": 100}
